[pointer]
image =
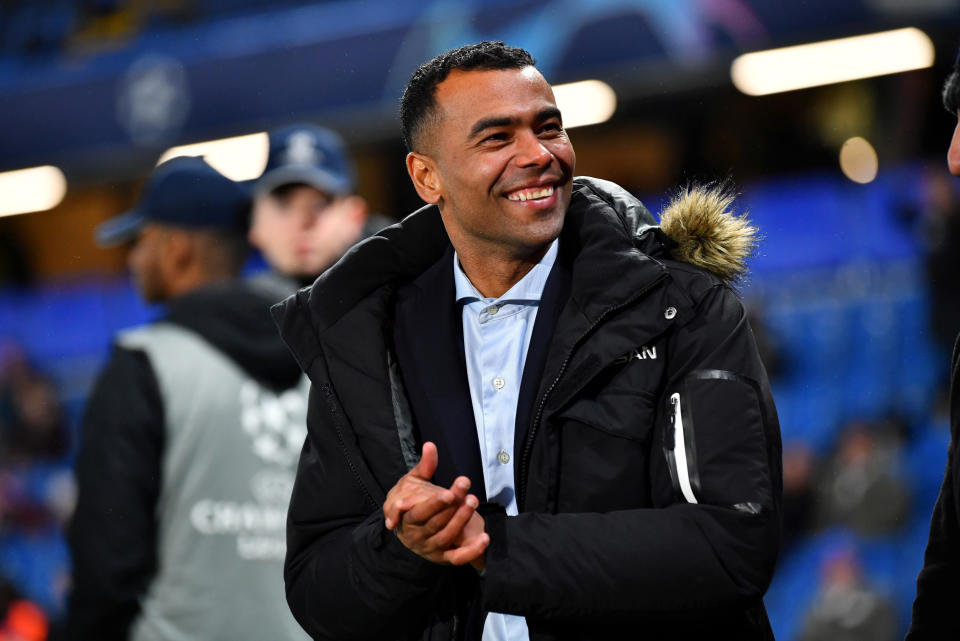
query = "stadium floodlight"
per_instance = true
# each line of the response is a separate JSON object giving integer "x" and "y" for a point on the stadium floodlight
{"x": 237, "y": 158}
{"x": 823, "y": 63}
{"x": 587, "y": 102}
{"x": 28, "y": 190}
{"x": 858, "y": 160}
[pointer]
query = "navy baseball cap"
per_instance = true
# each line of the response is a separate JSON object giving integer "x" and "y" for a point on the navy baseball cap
{"x": 310, "y": 155}
{"x": 182, "y": 192}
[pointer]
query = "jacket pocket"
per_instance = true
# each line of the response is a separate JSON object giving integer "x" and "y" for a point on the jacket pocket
{"x": 623, "y": 413}
{"x": 603, "y": 450}
{"x": 716, "y": 444}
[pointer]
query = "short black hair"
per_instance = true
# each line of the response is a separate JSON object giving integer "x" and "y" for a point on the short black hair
{"x": 418, "y": 103}
{"x": 951, "y": 89}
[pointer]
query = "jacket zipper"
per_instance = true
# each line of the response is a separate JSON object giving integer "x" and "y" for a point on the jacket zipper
{"x": 528, "y": 445}
{"x": 680, "y": 450}
{"x": 334, "y": 411}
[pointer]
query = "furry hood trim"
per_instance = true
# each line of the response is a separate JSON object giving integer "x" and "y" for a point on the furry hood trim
{"x": 708, "y": 234}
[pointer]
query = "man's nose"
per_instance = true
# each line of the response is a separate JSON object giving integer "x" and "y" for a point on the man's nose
{"x": 532, "y": 152}
{"x": 306, "y": 218}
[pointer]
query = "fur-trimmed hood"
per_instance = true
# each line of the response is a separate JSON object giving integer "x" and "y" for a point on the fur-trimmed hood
{"x": 707, "y": 232}
{"x": 698, "y": 226}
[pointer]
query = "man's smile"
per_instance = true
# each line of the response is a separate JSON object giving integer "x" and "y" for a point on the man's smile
{"x": 531, "y": 193}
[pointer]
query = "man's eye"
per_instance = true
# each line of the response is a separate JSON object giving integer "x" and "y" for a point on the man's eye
{"x": 552, "y": 127}
{"x": 498, "y": 137}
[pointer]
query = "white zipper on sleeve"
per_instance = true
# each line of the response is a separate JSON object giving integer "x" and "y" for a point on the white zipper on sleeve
{"x": 680, "y": 450}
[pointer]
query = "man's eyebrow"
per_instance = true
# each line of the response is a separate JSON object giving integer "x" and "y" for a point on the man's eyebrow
{"x": 490, "y": 123}
{"x": 548, "y": 113}
{"x": 505, "y": 121}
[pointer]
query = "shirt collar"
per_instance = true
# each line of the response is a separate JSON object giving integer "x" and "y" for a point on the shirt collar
{"x": 530, "y": 287}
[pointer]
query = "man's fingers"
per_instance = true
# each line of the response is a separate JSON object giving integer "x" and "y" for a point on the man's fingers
{"x": 471, "y": 550}
{"x": 393, "y": 509}
{"x": 460, "y": 487}
{"x": 409, "y": 493}
{"x": 449, "y": 532}
{"x": 405, "y": 494}
{"x": 414, "y": 499}
{"x": 428, "y": 507}
{"x": 427, "y": 465}
{"x": 424, "y": 510}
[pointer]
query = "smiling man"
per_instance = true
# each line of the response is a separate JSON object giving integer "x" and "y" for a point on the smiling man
{"x": 502, "y": 181}
{"x": 535, "y": 414}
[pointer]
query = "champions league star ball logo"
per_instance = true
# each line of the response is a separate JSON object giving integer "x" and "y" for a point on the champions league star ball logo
{"x": 302, "y": 150}
{"x": 275, "y": 422}
{"x": 153, "y": 99}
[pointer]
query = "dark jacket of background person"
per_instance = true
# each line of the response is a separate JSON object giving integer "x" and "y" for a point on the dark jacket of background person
{"x": 188, "y": 523}
{"x": 605, "y": 546}
{"x": 935, "y": 607}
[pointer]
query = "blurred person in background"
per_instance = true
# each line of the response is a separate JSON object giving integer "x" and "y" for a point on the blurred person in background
{"x": 846, "y": 607}
{"x": 305, "y": 212}
{"x": 429, "y": 346}
{"x": 37, "y": 490}
{"x": 32, "y": 422}
{"x": 190, "y": 437}
{"x": 861, "y": 485}
{"x": 938, "y": 584}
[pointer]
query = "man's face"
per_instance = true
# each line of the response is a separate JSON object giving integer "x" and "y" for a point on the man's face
{"x": 148, "y": 262}
{"x": 953, "y": 155}
{"x": 502, "y": 162}
{"x": 301, "y": 231}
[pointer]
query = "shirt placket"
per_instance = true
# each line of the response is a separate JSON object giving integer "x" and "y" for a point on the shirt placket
{"x": 498, "y": 389}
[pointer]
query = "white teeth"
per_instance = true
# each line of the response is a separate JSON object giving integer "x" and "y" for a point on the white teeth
{"x": 531, "y": 194}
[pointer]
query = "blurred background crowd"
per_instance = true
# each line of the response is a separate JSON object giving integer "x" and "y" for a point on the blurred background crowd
{"x": 853, "y": 293}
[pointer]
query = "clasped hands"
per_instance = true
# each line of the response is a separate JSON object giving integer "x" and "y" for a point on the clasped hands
{"x": 440, "y": 525}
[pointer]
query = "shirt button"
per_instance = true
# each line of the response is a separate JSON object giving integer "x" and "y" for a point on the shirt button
{"x": 498, "y": 383}
{"x": 493, "y": 309}
{"x": 503, "y": 457}
{"x": 670, "y": 313}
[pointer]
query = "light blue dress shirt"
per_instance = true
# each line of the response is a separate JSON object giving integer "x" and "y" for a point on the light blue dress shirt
{"x": 496, "y": 336}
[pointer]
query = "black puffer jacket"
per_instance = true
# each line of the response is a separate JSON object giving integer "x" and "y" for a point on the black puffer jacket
{"x": 649, "y": 481}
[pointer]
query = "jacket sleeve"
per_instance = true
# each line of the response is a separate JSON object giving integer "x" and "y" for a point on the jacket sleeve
{"x": 112, "y": 535}
{"x": 709, "y": 552}
{"x": 934, "y": 609}
{"x": 347, "y": 576}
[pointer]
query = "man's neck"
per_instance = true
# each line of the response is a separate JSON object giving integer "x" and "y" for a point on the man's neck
{"x": 493, "y": 275}
{"x": 193, "y": 280}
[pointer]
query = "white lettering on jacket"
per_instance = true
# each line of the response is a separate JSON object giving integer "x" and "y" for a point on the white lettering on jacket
{"x": 640, "y": 353}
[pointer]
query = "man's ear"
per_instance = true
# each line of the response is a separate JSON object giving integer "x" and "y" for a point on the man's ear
{"x": 426, "y": 179}
{"x": 180, "y": 249}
